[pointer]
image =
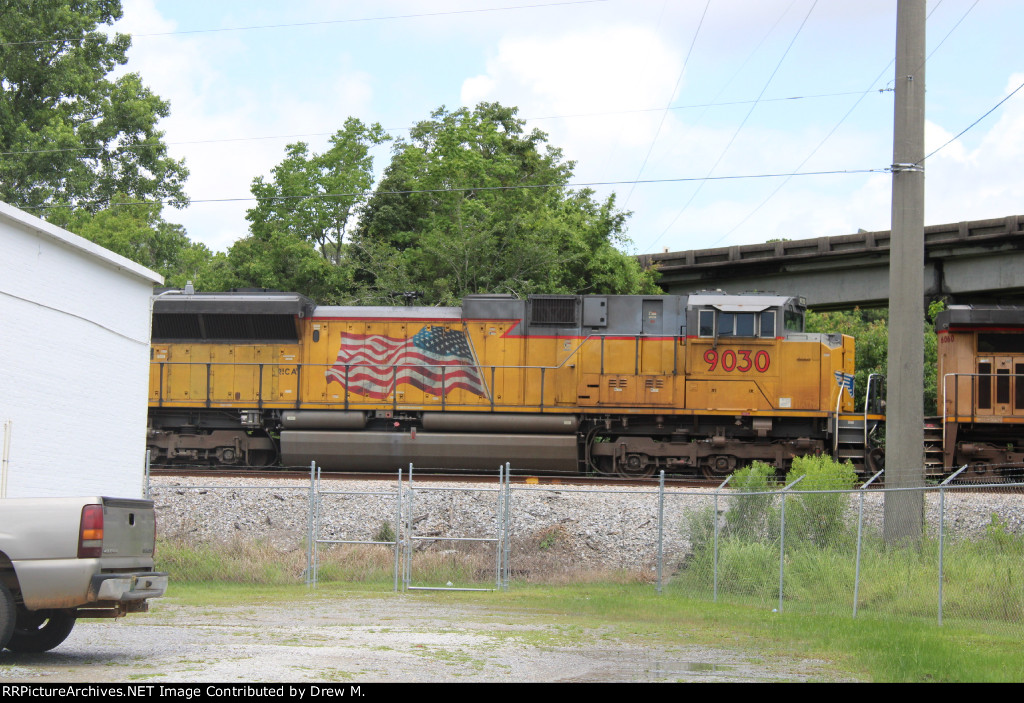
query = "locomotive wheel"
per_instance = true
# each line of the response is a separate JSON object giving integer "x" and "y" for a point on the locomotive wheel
{"x": 635, "y": 466}
{"x": 716, "y": 468}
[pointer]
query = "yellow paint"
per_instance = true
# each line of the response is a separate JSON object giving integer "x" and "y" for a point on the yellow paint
{"x": 631, "y": 375}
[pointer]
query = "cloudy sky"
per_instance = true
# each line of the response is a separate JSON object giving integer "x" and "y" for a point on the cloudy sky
{"x": 682, "y": 108}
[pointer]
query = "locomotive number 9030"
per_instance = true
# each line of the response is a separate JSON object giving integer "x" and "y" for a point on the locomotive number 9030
{"x": 738, "y": 360}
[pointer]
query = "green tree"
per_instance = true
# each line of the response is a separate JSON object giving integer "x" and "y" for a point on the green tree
{"x": 280, "y": 260}
{"x": 138, "y": 232}
{"x": 312, "y": 196}
{"x": 68, "y": 133}
{"x": 472, "y": 203}
{"x": 870, "y": 330}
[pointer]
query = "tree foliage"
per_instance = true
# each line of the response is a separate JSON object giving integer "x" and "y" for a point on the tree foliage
{"x": 138, "y": 232}
{"x": 313, "y": 196}
{"x": 69, "y": 134}
{"x": 472, "y": 203}
{"x": 280, "y": 260}
{"x": 870, "y": 330}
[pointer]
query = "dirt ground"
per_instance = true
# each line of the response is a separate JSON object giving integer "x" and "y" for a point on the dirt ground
{"x": 398, "y": 638}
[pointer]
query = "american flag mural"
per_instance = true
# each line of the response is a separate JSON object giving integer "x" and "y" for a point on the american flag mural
{"x": 378, "y": 363}
{"x": 845, "y": 380}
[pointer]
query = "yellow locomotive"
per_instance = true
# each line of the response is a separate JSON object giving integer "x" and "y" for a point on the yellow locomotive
{"x": 981, "y": 390}
{"x": 623, "y": 385}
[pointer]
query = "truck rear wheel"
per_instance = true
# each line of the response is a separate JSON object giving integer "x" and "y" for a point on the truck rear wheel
{"x": 8, "y": 614}
{"x": 40, "y": 630}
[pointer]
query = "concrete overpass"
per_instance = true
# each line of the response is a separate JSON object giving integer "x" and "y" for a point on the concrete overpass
{"x": 979, "y": 261}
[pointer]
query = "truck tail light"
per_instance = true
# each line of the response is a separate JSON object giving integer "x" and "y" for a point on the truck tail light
{"x": 90, "y": 532}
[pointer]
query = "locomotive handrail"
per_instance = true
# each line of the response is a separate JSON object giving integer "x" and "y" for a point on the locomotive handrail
{"x": 867, "y": 405}
{"x": 835, "y": 422}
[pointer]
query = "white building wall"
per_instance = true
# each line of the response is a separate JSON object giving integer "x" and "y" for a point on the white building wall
{"x": 74, "y": 362}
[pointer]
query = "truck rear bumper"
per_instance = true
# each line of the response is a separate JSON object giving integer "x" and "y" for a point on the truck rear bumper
{"x": 127, "y": 587}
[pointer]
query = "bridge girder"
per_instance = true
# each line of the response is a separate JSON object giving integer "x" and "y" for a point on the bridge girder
{"x": 976, "y": 261}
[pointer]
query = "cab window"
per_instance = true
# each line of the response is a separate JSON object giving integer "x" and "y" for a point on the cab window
{"x": 707, "y": 323}
{"x": 736, "y": 324}
{"x": 794, "y": 321}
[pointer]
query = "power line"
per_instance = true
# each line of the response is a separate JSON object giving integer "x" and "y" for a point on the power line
{"x": 972, "y": 125}
{"x": 943, "y": 40}
{"x": 664, "y": 114}
{"x": 341, "y": 21}
{"x": 809, "y": 156}
{"x": 843, "y": 119}
{"x": 738, "y": 129}
{"x": 465, "y": 189}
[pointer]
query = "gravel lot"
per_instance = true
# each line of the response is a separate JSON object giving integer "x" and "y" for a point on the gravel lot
{"x": 397, "y": 638}
{"x": 414, "y": 637}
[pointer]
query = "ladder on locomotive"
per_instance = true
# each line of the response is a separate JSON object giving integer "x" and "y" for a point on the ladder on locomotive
{"x": 850, "y": 445}
{"x": 855, "y": 438}
{"x": 934, "y": 457}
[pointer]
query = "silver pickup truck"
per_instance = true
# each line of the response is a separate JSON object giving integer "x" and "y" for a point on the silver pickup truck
{"x": 68, "y": 558}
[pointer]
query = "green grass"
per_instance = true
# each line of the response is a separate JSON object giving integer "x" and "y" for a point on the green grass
{"x": 867, "y": 648}
{"x": 894, "y": 638}
{"x": 983, "y": 580}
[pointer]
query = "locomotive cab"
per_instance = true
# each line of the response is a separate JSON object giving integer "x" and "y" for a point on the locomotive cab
{"x": 718, "y": 315}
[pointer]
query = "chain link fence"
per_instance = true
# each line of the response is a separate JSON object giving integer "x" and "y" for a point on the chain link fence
{"x": 957, "y": 554}
{"x": 941, "y": 553}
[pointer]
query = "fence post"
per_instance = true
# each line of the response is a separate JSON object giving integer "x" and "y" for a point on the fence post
{"x": 145, "y": 492}
{"x": 717, "y": 491}
{"x": 661, "y": 527}
{"x": 860, "y": 533}
{"x": 507, "y": 546}
{"x": 499, "y": 545}
{"x": 407, "y": 562}
{"x": 309, "y": 525}
{"x": 398, "y": 527}
{"x": 782, "y": 539}
{"x": 942, "y": 521}
{"x": 316, "y": 527}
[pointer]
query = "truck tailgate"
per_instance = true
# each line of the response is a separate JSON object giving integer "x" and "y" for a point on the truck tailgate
{"x": 129, "y": 529}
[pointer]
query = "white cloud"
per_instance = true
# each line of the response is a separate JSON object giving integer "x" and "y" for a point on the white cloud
{"x": 591, "y": 70}
{"x": 215, "y": 103}
{"x": 610, "y": 58}
{"x": 985, "y": 181}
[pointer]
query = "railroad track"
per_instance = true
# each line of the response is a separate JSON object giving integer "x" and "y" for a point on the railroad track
{"x": 464, "y": 477}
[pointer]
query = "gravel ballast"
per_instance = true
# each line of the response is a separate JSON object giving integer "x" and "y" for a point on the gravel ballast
{"x": 592, "y": 527}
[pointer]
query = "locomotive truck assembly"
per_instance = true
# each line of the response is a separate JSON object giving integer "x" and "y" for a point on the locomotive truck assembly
{"x": 616, "y": 385}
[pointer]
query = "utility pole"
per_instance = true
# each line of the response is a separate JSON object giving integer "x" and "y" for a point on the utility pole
{"x": 904, "y": 443}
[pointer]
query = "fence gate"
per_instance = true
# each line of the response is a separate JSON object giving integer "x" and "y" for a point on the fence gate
{"x": 500, "y": 540}
{"x": 317, "y": 496}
